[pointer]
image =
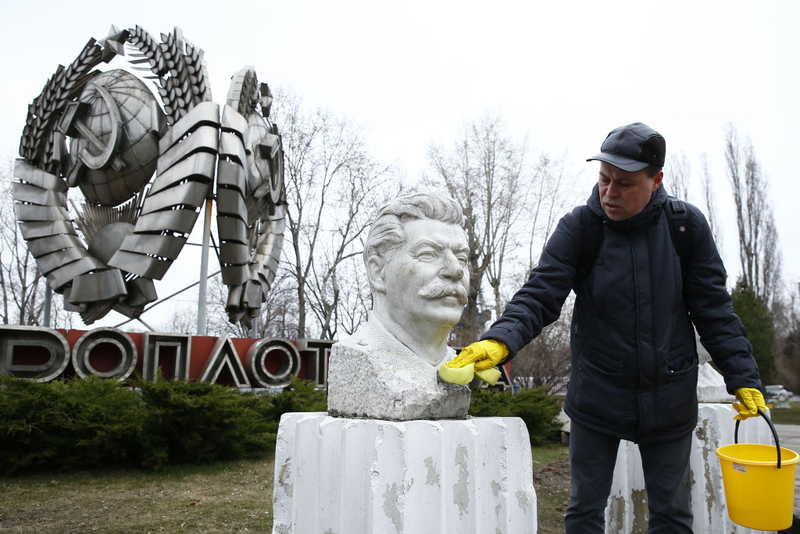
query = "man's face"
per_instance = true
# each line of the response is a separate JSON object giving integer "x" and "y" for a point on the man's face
{"x": 426, "y": 278}
{"x": 625, "y": 194}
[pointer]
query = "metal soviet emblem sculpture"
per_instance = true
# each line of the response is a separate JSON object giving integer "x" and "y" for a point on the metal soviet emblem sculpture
{"x": 105, "y": 134}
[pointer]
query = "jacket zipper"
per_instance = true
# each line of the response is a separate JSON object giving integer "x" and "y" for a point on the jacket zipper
{"x": 637, "y": 331}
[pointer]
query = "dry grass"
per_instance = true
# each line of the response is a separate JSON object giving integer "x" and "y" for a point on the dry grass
{"x": 787, "y": 417}
{"x": 551, "y": 479}
{"x": 224, "y": 497}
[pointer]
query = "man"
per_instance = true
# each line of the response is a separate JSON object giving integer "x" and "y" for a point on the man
{"x": 634, "y": 358}
{"x": 416, "y": 260}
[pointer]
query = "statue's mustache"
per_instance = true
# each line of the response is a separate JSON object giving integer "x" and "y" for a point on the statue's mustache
{"x": 438, "y": 290}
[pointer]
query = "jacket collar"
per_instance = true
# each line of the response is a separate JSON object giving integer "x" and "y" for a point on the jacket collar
{"x": 647, "y": 215}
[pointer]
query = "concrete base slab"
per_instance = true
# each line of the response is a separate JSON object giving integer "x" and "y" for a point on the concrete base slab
{"x": 338, "y": 476}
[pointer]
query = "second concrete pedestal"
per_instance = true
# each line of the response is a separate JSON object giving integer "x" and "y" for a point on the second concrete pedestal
{"x": 627, "y": 505}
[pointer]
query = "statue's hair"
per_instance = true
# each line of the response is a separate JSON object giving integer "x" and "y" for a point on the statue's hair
{"x": 386, "y": 232}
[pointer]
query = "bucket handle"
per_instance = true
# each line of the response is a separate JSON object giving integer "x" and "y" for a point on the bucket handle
{"x": 771, "y": 427}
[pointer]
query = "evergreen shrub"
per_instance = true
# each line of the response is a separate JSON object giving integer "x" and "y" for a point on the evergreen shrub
{"x": 534, "y": 406}
{"x": 94, "y": 422}
{"x": 66, "y": 424}
{"x": 196, "y": 422}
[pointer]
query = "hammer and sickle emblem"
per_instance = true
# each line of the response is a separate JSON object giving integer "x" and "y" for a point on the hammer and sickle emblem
{"x": 73, "y": 125}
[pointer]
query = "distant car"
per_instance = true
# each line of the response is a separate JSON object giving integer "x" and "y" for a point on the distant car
{"x": 778, "y": 396}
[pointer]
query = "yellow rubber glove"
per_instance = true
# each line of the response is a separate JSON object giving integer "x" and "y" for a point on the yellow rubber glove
{"x": 750, "y": 401}
{"x": 480, "y": 357}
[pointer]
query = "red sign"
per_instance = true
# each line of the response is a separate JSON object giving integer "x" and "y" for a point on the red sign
{"x": 44, "y": 354}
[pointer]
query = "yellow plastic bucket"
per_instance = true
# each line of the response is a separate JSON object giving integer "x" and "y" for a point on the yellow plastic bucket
{"x": 759, "y": 482}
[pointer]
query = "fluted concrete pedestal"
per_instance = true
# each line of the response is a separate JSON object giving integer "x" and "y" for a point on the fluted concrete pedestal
{"x": 361, "y": 476}
{"x": 627, "y": 506}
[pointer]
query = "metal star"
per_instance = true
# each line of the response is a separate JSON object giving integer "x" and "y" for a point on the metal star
{"x": 114, "y": 43}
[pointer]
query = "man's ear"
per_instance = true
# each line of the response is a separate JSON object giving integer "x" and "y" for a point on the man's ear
{"x": 657, "y": 180}
{"x": 376, "y": 273}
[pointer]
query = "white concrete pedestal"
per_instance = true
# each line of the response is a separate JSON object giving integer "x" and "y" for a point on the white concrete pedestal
{"x": 627, "y": 505}
{"x": 360, "y": 476}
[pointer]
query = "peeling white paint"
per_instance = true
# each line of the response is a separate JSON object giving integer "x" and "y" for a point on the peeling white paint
{"x": 522, "y": 500}
{"x": 391, "y": 507}
{"x": 461, "y": 487}
{"x": 432, "y": 477}
{"x": 371, "y": 476}
{"x": 284, "y": 475}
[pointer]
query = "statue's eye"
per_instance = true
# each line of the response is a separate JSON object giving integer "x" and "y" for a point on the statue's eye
{"x": 426, "y": 255}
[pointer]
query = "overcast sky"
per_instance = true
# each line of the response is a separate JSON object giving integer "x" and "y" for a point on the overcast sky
{"x": 564, "y": 73}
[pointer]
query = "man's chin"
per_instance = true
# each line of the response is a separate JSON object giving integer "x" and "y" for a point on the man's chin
{"x": 615, "y": 213}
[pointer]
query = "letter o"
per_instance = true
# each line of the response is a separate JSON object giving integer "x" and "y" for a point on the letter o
{"x": 119, "y": 339}
{"x": 256, "y": 362}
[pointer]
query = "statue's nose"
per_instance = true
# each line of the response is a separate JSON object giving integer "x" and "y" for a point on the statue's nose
{"x": 452, "y": 267}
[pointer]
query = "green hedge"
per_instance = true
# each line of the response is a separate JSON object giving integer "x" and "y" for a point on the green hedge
{"x": 534, "y": 406}
{"x": 76, "y": 424}
{"x": 87, "y": 423}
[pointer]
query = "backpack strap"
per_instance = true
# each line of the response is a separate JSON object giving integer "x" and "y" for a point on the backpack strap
{"x": 591, "y": 239}
{"x": 680, "y": 230}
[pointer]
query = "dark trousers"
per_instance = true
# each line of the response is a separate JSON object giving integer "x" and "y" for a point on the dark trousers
{"x": 666, "y": 473}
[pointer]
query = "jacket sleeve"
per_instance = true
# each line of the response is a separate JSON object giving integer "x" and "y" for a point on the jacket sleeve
{"x": 538, "y": 303}
{"x": 711, "y": 310}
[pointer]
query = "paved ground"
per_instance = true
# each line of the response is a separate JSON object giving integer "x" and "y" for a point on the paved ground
{"x": 790, "y": 439}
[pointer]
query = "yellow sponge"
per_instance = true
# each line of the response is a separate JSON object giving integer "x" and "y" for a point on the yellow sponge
{"x": 491, "y": 375}
{"x": 458, "y": 375}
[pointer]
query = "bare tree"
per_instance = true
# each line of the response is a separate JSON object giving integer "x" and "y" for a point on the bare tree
{"x": 759, "y": 253}
{"x": 361, "y": 188}
{"x": 511, "y": 203}
{"x": 355, "y": 298}
{"x": 486, "y": 173}
{"x": 545, "y": 361}
{"x": 709, "y": 197}
{"x": 182, "y": 320}
{"x": 678, "y": 173}
{"x": 278, "y": 316}
{"x": 552, "y": 195}
{"x": 333, "y": 187}
{"x": 788, "y": 350}
{"x": 22, "y": 286}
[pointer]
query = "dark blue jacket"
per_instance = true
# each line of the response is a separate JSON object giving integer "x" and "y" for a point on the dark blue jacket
{"x": 634, "y": 357}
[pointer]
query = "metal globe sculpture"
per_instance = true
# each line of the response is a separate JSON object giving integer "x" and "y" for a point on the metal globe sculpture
{"x": 115, "y": 126}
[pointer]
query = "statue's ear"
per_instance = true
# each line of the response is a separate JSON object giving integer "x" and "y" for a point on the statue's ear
{"x": 376, "y": 272}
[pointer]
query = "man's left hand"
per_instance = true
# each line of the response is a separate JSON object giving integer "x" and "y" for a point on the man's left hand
{"x": 750, "y": 401}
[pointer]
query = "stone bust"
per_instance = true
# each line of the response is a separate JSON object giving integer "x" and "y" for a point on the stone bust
{"x": 416, "y": 261}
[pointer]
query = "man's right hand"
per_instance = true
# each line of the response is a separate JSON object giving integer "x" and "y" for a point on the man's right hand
{"x": 479, "y": 357}
{"x": 484, "y": 354}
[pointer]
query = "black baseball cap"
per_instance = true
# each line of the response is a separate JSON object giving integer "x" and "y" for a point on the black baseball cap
{"x": 633, "y": 147}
